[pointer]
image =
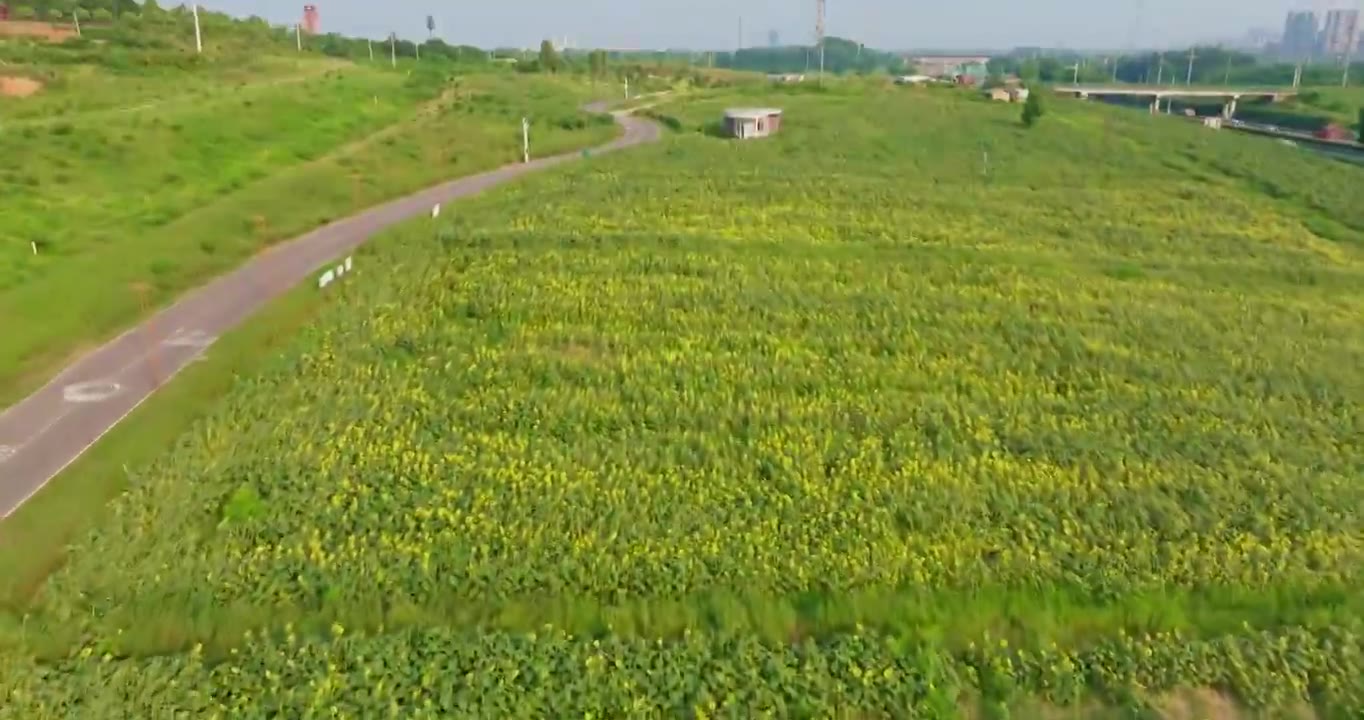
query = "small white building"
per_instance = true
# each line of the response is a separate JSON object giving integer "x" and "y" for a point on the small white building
{"x": 746, "y": 123}
{"x": 913, "y": 80}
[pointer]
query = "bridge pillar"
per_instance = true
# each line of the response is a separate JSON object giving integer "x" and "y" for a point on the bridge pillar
{"x": 1229, "y": 110}
{"x": 1155, "y": 105}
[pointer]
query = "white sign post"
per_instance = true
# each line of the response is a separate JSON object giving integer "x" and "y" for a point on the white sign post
{"x": 198, "y": 36}
{"x": 525, "y": 140}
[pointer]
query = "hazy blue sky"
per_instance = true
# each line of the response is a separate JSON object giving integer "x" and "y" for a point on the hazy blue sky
{"x": 714, "y": 23}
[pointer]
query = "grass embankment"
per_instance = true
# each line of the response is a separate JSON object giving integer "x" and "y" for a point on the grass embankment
{"x": 170, "y": 193}
{"x": 870, "y": 418}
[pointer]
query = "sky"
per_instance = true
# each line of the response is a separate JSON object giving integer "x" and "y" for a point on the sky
{"x": 714, "y": 24}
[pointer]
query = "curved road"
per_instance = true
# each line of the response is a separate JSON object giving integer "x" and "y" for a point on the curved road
{"x": 49, "y": 429}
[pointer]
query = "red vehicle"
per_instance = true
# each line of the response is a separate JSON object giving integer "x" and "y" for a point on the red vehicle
{"x": 1334, "y": 132}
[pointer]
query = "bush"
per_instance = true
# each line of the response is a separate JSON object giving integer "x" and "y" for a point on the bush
{"x": 54, "y": 14}
{"x": 24, "y": 12}
{"x": 102, "y": 15}
{"x": 82, "y": 13}
{"x": 1032, "y": 109}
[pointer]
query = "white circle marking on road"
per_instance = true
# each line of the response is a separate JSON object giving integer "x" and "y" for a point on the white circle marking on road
{"x": 90, "y": 392}
{"x": 7, "y": 452}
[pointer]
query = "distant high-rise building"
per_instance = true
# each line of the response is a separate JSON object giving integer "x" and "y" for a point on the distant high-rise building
{"x": 773, "y": 39}
{"x": 1339, "y": 35}
{"x": 1300, "y": 35}
{"x": 312, "y": 22}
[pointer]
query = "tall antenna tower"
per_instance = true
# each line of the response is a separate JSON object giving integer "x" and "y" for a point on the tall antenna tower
{"x": 819, "y": 36}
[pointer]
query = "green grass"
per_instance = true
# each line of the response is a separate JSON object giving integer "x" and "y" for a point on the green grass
{"x": 172, "y": 195}
{"x": 864, "y": 417}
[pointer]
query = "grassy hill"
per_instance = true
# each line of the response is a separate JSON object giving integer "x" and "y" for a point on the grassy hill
{"x": 142, "y": 168}
{"x": 938, "y": 417}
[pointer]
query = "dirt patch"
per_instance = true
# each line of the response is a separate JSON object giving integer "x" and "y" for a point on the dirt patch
{"x": 18, "y": 86}
{"x": 45, "y": 31}
{"x": 1208, "y": 704}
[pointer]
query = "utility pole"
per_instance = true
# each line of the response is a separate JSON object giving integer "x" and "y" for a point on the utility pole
{"x": 298, "y": 35}
{"x": 1189, "y": 79}
{"x": 525, "y": 140}
{"x": 198, "y": 36}
{"x": 393, "y": 48}
{"x": 1345, "y": 75}
{"x": 76, "y": 16}
{"x": 1076, "y": 68}
{"x": 740, "y": 46}
{"x": 1160, "y": 73}
{"x": 1226, "y": 77}
{"x": 1297, "y": 76}
{"x": 819, "y": 34}
{"x": 371, "y": 50}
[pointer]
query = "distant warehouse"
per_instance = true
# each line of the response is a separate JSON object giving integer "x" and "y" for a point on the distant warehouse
{"x": 745, "y": 123}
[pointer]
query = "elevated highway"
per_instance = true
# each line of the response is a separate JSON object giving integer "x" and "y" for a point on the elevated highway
{"x": 1228, "y": 96}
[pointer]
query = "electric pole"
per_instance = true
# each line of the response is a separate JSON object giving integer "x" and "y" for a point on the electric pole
{"x": 1189, "y": 79}
{"x": 1226, "y": 77}
{"x": 198, "y": 36}
{"x": 740, "y": 46}
{"x": 371, "y": 49}
{"x": 1160, "y": 73}
{"x": 819, "y": 36}
{"x": 393, "y": 48}
{"x": 298, "y": 35}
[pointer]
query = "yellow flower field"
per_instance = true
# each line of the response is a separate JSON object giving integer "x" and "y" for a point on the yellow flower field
{"x": 872, "y": 403}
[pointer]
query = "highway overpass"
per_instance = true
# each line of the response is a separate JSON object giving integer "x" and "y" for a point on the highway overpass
{"x": 1228, "y": 96}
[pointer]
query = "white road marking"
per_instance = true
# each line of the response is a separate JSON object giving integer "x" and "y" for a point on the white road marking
{"x": 90, "y": 392}
{"x": 192, "y": 338}
{"x": 7, "y": 452}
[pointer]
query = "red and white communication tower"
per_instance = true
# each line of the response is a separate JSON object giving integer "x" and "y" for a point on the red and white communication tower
{"x": 312, "y": 22}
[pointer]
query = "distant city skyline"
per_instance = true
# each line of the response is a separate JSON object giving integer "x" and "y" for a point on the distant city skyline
{"x": 887, "y": 24}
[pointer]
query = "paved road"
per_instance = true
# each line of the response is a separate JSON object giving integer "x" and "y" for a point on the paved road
{"x": 47, "y": 431}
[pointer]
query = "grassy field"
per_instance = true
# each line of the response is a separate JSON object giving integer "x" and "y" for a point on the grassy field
{"x": 936, "y": 417}
{"x": 170, "y": 188}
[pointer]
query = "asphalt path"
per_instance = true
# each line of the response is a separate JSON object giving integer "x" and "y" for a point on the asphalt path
{"x": 44, "y": 433}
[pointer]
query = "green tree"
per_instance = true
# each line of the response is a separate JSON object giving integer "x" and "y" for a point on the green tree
{"x": 24, "y": 12}
{"x": 102, "y": 15}
{"x": 1360, "y": 128}
{"x": 1032, "y": 108}
{"x": 596, "y": 63}
{"x": 549, "y": 58}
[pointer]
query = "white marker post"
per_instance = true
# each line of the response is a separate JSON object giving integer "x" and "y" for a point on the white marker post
{"x": 525, "y": 140}
{"x": 393, "y": 48}
{"x": 33, "y": 244}
{"x": 198, "y": 36}
{"x": 76, "y": 16}
{"x": 371, "y": 50}
{"x": 298, "y": 35}
{"x": 435, "y": 211}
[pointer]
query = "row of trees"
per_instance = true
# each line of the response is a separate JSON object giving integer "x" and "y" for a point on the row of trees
{"x": 97, "y": 10}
